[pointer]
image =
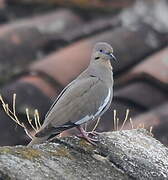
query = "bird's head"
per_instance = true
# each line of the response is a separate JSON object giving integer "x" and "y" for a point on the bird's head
{"x": 103, "y": 51}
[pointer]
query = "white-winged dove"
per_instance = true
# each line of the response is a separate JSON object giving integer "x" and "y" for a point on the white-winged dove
{"x": 85, "y": 98}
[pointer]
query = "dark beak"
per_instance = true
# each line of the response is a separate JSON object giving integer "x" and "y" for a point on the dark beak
{"x": 112, "y": 57}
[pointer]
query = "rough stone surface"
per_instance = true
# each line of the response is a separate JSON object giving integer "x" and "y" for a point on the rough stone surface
{"x": 137, "y": 153}
{"x": 133, "y": 154}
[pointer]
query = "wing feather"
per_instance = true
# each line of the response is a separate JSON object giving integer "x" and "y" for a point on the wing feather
{"x": 78, "y": 103}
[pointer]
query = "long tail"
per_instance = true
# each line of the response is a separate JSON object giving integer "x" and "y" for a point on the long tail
{"x": 37, "y": 140}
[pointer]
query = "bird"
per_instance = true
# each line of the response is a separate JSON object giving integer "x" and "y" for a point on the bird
{"x": 84, "y": 99}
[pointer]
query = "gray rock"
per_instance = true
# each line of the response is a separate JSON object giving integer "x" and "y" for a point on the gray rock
{"x": 121, "y": 155}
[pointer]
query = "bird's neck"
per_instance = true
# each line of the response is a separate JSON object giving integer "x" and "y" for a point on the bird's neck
{"x": 107, "y": 64}
{"x": 103, "y": 63}
{"x": 103, "y": 70}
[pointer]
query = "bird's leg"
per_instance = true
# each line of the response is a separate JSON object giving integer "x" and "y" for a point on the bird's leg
{"x": 84, "y": 135}
{"x": 93, "y": 132}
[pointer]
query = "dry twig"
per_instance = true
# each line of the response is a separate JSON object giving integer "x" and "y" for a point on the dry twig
{"x": 12, "y": 114}
{"x": 126, "y": 118}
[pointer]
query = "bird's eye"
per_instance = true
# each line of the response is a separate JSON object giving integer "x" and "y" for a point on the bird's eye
{"x": 101, "y": 50}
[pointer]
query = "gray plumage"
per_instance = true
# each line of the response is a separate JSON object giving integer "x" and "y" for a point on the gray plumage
{"x": 84, "y": 99}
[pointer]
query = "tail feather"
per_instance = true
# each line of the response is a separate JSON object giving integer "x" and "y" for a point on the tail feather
{"x": 37, "y": 140}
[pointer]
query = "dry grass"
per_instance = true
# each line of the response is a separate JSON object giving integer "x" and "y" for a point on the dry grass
{"x": 116, "y": 122}
{"x": 11, "y": 112}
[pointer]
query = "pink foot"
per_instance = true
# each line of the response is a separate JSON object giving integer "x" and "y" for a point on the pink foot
{"x": 93, "y": 133}
{"x": 85, "y": 135}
